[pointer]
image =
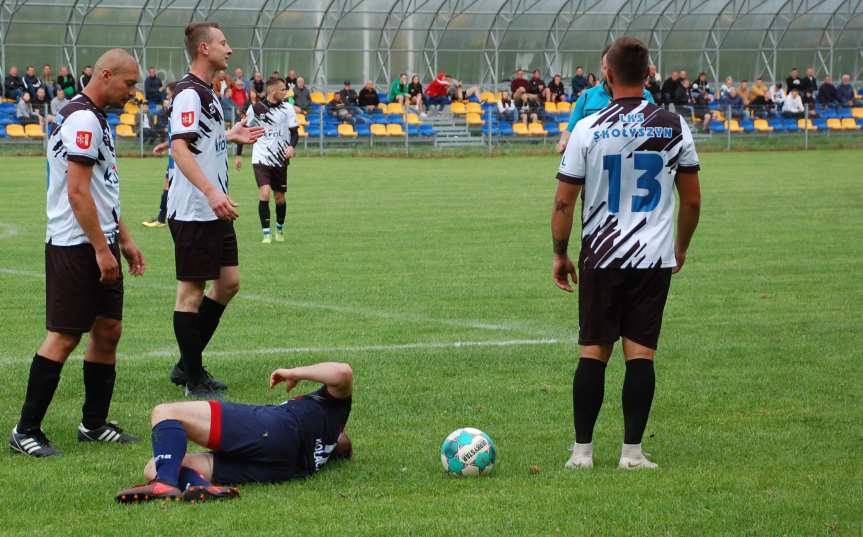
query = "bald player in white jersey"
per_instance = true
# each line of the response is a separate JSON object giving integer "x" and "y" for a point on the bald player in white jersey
{"x": 84, "y": 239}
{"x": 628, "y": 158}
{"x": 200, "y": 212}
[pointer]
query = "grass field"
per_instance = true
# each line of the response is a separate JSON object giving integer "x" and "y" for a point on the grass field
{"x": 432, "y": 277}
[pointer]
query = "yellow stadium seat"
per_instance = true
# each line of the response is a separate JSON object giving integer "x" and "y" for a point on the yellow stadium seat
{"x": 761, "y": 125}
{"x": 331, "y": 95}
{"x": 564, "y": 107}
{"x": 835, "y": 124}
{"x": 536, "y": 129}
{"x": 474, "y": 119}
{"x": 413, "y": 119}
{"x": 395, "y": 108}
{"x": 346, "y": 130}
{"x": 488, "y": 97}
{"x": 382, "y": 107}
{"x": 718, "y": 115}
{"x": 459, "y": 108}
{"x": 849, "y": 124}
{"x": 317, "y": 97}
{"x": 520, "y": 129}
{"x": 378, "y": 129}
{"x": 127, "y": 119}
{"x": 301, "y": 119}
{"x": 474, "y": 108}
{"x": 14, "y": 130}
{"x": 139, "y": 96}
{"x": 806, "y": 124}
{"x": 395, "y": 129}
{"x": 733, "y": 126}
{"x": 34, "y": 131}
{"x": 125, "y": 131}
{"x": 302, "y": 132}
{"x": 857, "y": 112}
{"x": 131, "y": 108}
{"x": 563, "y": 125}
{"x": 550, "y": 107}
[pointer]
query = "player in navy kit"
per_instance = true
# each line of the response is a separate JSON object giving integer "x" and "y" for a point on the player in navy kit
{"x": 628, "y": 158}
{"x": 248, "y": 443}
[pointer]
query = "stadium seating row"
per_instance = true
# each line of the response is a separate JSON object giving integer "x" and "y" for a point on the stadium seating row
{"x": 786, "y": 125}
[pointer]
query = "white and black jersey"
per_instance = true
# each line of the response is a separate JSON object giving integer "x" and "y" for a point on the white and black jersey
{"x": 81, "y": 134}
{"x": 281, "y": 130}
{"x": 196, "y": 116}
{"x": 627, "y": 157}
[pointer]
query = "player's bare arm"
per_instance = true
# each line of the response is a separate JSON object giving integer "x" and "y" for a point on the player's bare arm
{"x": 160, "y": 149}
{"x": 689, "y": 190}
{"x": 221, "y": 204}
{"x": 137, "y": 264}
{"x": 561, "y": 226}
{"x": 337, "y": 376}
{"x": 81, "y": 200}
{"x": 564, "y": 138}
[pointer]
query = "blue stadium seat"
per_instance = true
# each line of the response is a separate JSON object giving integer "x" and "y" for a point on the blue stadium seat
{"x": 383, "y": 97}
{"x": 713, "y": 105}
{"x": 331, "y": 131}
{"x": 790, "y": 124}
{"x": 717, "y": 126}
{"x": 314, "y": 131}
{"x": 113, "y": 120}
{"x": 395, "y": 118}
{"x": 827, "y": 113}
{"x": 860, "y": 121}
{"x": 505, "y": 128}
{"x": 493, "y": 129}
{"x": 747, "y": 125}
{"x": 427, "y": 130}
{"x": 363, "y": 130}
{"x": 2, "y": 131}
{"x": 6, "y": 120}
{"x": 844, "y": 113}
{"x": 821, "y": 123}
{"x": 552, "y": 129}
{"x": 413, "y": 130}
{"x": 7, "y": 108}
{"x": 316, "y": 109}
{"x": 777, "y": 124}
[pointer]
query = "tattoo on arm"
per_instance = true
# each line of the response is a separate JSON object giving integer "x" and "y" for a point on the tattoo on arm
{"x": 560, "y": 246}
{"x": 560, "y": 206}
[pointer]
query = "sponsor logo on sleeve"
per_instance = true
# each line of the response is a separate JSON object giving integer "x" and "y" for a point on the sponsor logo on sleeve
{"x": 83, "y": 139}
{"x": 187, "y": 118}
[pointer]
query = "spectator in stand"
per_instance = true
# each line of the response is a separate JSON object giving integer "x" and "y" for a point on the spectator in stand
{"x": 66, "y": 82}
{"x": 302, "y": 95}
{"x": 437, "y": 91}
{"x": 415, "y": 95}
{"x": 506, "y": 107}
{"x": 291, "y": 79}
{"x": 794, "y": 81}
{"x": 153, "y": 87}
{"x": 48, "y": 81}
{"x": 723, "y": 89}
{"x": 275, "y": 75}
{"x": 733, "y": 101}
{"x": 592, "y": 81}
{"x": 40, "y": 101}
{"x": 556, "y": 91}
{"x": 828, "y": 95}
{"x": 743, "y": 91}
{"x": 457, "y": 92}
{"x": 519, "y": 86}
{"x": 58, "y": 102}
{"x": 239, "y": 98}
{"x": 258, "y": 83}
{"x": 85, "y": 77}
{"x": 24, "y": 111}
{"x": 776, "y": 96}
{"x": 758, "y": 94}
{"x": 536, "y": 89}
{"x": 529, "y": 110}
{"x": 652, "y": 84}
{"x": 31, "y": 81}
{"x": 579, "y": 82}
{"x": 349, "y": 95}
{"x": 683, "y": 99}
{"x": 845, "y": 92}
{"x": 792, "y": 106}
{"x": 339, "y": 109}
{"x": 702, "y": 94}
{"x": 239, "y": 74}
{"x": 222, "y": 87}
{"x": 13, "y": 86}
{"x": 809, "y": 86}
{"x": 399, "y": 89}
{"x": 669, "y": 87}
{"x": 368, "y": 99}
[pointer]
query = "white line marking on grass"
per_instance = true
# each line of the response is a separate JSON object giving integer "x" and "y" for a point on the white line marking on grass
{"x": 8, "y": 231}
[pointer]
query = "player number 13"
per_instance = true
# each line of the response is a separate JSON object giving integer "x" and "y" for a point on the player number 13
{"x": 649, "y": 163}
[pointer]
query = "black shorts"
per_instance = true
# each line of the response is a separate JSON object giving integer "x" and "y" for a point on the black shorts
{"x": 74, "y": 297}
{"x": 615, "y": 303}
{"x": 276, "y": 178}
{"x": 201, "y": 249}
{"x": 253, "y": 443}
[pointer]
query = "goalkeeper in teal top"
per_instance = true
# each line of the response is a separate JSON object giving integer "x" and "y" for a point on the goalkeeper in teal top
{"x": 591, "y": 101}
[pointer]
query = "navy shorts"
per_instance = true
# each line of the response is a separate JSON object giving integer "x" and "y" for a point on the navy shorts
{"x": 254, "y": 443}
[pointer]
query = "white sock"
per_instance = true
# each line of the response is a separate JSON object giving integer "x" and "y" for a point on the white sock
{"x": 266, "y": 231}
{"x": 631, "y": 451}
{"x": 583, "y": 450}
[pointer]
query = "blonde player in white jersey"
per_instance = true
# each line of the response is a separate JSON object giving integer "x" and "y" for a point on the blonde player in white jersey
{"x": 628, "y": 158}
{"x": 200, "y": 212}
{"x": 84, "y": 239}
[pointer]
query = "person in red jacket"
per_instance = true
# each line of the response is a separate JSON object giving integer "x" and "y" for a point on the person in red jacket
{"x": 437, "y": 91}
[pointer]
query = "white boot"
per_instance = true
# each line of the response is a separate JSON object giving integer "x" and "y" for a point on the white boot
{"x": 582, "y": 456}
{"x": 632, "y": 458}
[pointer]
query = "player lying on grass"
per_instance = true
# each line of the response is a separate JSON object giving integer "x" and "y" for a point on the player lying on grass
{"x": 248, "y": 443}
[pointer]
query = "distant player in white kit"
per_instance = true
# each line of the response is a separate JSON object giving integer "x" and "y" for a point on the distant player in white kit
{"x": 272, "y": 153}
{"x": 628, "y": 158}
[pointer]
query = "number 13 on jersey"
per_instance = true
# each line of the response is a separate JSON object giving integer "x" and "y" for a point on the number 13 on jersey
{"x": 650, "y": 164}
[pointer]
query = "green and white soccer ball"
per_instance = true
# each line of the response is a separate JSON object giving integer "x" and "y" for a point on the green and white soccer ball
{"x": 468, "y": 451}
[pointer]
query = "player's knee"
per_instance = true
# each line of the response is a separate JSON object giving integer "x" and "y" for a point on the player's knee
{"x": 108, "y": 334}
{"x": 162, "y": 412}
{"x": 64, "y": 343}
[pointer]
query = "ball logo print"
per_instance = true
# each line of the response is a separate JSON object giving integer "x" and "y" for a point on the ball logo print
{"x": 187, "y": 118}
{"x": 83, "y": 139}
{"x": 468, "y": 452}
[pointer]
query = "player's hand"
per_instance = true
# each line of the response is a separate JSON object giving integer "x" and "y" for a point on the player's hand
{"x": 680, "y": 256}
{"x": 160, "y": 149}
{"x": 109, "y": 268}
{"x": 238, "y": 162}
{"x": 289, "y": 152}
{"x": 560, "y": 147}
{"x": 286, "y": 376}
{"x": 222, "y": 205}
{"x": 134, "y": 257}
{"x": 243, "y": 134}
{"x": 562, "y": 269}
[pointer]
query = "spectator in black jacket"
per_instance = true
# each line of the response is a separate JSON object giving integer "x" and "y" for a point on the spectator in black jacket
{"x": 415, "y": 95}
{"x": 66, "y": 82}
{"x": 700, "y": 90}
{"x": 828, "y": 95}
{"x": 31, "y": 81}
{"x": 651, "y": 84}
{"x": 153, "y": 87}
{"x": 794, "y": 82}
{"x": 368, "y": 98}
{"x": 556, "y": 91}
{"x": 809, "y": 86}
{"x": 579, "y": 82}
{"x": 349, "y": 94}
{"x": 85, "y": 77}
{"x": 669, "y": 87}
{"x": 846, "y": 93}
{"x": 13, "y": 86}
{"x": 302, "y": 95}
{"x": 258, "y": 83}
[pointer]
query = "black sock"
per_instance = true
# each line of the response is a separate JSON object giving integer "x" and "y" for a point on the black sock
{"x": 98, "y": 389}
{"x": 189, "y": 340}
{"x": 264, "y": 213}
{"x": 588, "y": 390}
{"x": 638, "y": 386}
{"x": 163, "y": 207}
{"x": 44, "y": 377}
{"x": 281, "y": 211}
{"x": 209, "y": 314}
